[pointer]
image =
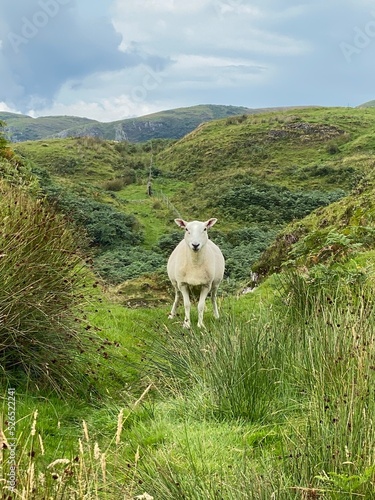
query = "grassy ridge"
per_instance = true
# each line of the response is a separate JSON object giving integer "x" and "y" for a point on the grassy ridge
{"x": 321, "y": 149}
{"x": 25, "y": 128}
{"x": 312, "y": 149}
{"x": 166, "y": 124}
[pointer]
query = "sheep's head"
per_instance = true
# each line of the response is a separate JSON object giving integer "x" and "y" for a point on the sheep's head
{"x": 195, "y": 232}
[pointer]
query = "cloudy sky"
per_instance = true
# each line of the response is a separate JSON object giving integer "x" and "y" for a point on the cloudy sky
{"x": 113, "y": 59}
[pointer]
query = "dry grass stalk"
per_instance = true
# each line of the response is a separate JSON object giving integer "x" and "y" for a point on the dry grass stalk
{"x": 85, "y": 431}
{"x": 120, "y": 422}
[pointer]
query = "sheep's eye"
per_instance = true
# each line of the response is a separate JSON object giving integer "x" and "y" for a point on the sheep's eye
{"x": 187, "y": 229}
{"x": 205, "y": 229}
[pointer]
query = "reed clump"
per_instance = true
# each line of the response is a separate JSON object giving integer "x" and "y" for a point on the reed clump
{"x": 41, "y": 281}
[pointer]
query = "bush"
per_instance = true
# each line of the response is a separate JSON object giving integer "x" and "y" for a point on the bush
{"x": 40, "y": 281}
{"x": 266, "y": 203}
{"x": 241, "y": 249}
{"x": 168, "y": 242}
{"x": 120, "y": 265}
{"x": 114, "y": 184}
{"x": 104, "y": 225}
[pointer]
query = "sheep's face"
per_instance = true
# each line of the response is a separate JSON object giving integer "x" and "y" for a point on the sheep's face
{"x": 195, "y": 232}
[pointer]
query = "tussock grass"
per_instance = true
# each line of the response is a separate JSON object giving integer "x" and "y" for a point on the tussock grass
{"x": 304, "y": 370}
{"x": 42, "y": 281}
{"x": 236, "y": 365}
{"x": 333, "y": 353}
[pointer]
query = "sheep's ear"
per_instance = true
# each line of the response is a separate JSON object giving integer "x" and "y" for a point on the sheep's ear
{"x": 210, "y": 223}
{"x": 180, "y": 222}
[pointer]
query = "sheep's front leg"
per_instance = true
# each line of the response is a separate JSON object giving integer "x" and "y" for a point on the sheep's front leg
{"x": 184, "y": 289}
{"x": 214, "y": 303}
{"x": 201, "y": 304}
{"x": 175, "y": 304}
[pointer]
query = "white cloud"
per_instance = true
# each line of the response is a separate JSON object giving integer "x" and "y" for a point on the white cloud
{"x": 205, "y": 71}
{"x": 177, "y": 53}
{"x": 103, "y": 110}
{"x": 4, "y": 107}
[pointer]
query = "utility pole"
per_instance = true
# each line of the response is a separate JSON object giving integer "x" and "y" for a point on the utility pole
{"x": 149, "y": 183}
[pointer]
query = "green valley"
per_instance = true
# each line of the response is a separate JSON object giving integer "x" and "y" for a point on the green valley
{"x": 114, "y": 401}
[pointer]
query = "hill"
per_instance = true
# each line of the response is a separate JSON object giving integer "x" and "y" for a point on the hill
{"x": 169, "y": 124}
{"x": 255, "y": 173}
{"x": 231, "y": 166}
{"x": 173, "y": 123}
{"x": 25, "y": 128}
{"x": 368, "y": 104}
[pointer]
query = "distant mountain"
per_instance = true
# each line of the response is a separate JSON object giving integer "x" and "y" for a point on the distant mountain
{"x": 25, "y": 128}
{"x": 368, "y": 104}
{"x": 170, "y": 124}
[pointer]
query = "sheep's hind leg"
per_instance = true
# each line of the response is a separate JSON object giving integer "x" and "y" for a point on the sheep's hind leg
{"x": 175, "y": 304}
{"x": 185, "y": 295}
{"x": 214, "y": 302}
{"x": 201, "y": 304}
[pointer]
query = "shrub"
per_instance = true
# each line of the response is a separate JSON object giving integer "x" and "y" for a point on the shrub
{"x": 332, "y": 148}
{"x": 261, "y": 202}
{"x": 40, "y": 281}
{"x": 168, "y": 242}
{"x": 105, "y": 226}
{"x": 114, "y": 184}
{"x": 116, "y": 266}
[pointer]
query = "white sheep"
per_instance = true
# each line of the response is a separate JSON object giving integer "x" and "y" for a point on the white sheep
{"x": 196, "y": 261}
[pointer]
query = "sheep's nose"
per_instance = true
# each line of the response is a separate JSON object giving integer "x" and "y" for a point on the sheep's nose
{"x": 195, "y": 246}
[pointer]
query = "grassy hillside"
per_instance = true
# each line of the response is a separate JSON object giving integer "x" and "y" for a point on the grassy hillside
{"x": 24, "y": 128}
{"x": 174, "y": 123}
{"x": 255, "y": 173}
{"x": 324, "y": 149}
{"x": 368, "y": 104}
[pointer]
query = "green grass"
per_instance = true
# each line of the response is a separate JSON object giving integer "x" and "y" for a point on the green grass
{"x": 291, "y": 148}
{"x": 78, "y": 160}
{"x": 151, "y": 214}
{"x": 154, "y": 213}
{"x": 294, "y": 421}
{"x": 230, "y": 168}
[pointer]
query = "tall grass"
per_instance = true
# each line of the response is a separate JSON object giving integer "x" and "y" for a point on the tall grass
{"x": 304, "y": 367}
{"x": 237, "y": 366}
{"x": 271, "y": 403}
{"x": 93, "y": 468}
{"x": 334, "y": 357}
{"x": 275, "y": 403}
{"x": 41, "y": 282}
